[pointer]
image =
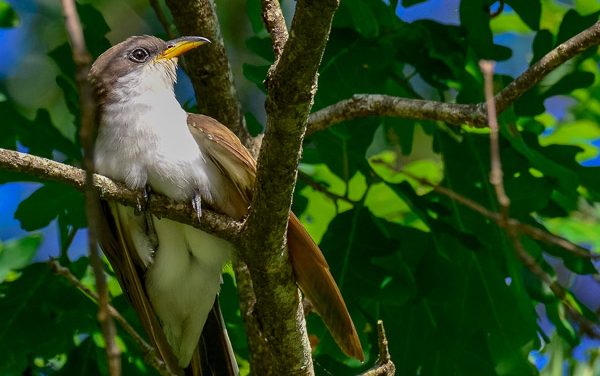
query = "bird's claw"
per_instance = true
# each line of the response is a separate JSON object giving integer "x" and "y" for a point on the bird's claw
{"x": 197, "y": 205}
{"x": 143, "y": 199}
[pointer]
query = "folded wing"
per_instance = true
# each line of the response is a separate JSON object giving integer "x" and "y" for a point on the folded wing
{"x": 310, "y": 268}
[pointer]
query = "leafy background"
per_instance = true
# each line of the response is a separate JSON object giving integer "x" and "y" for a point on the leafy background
{"x": 453, "y": 295}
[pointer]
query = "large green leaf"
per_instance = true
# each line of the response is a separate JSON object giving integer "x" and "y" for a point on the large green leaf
{"x": 16, "y": 254}
{"x": 40, "y": 314}
{"x": 49, "y": 202}
{"x": 530, "y": 11}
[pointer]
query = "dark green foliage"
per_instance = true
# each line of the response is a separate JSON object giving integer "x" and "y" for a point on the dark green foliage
{"x": 448, "y": 283}
{"x": 8, "y": 17}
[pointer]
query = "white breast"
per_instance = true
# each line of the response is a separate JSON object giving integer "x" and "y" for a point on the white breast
{"x": 143, "y": 138}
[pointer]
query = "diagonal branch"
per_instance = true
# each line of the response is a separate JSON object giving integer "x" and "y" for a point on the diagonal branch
{"x": 107, "y": 189}
{"x": 291, "y": 84}
{"x": 363, "y": 105}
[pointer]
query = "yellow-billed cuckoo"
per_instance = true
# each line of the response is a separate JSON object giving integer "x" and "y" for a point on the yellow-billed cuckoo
{"x": 167, "y": 269}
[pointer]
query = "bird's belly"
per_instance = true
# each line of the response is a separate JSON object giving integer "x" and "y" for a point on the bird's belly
{"x": 183, "y": 281}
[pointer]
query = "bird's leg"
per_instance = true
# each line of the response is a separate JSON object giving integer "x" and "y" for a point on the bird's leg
{"x": 197, "y": 205}
{"x": 142, "y": 202}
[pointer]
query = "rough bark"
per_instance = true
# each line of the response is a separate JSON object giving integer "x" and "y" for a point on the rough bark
{"x": 291, "y": 85}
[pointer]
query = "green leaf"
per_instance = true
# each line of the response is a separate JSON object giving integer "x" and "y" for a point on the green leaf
{"x": 261, "y": 47}
{"x": 18, "y": 253}
{"x": 49, "y": 202}
{"x": 40, "y": 314}
{"x": 542, "y": 44}
{"x": 254, "y": 12}
{"x": 254, "y": 126}
{"x": 256, "y": 74}
{"x": 8, "y": 17}
{"x": 82, "y": 360}
{"x": 475, "y": 18}
{"x": 573, "y": 23}
{"x": 42, "y": 138}
{"x": 530, "y": 11}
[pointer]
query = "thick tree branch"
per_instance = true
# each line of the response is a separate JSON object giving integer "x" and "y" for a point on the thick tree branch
{"x": 210, "y": 70}
{"x": 159, "y": 205}
{"x": 87, "y": 135}
{"x": 363, "y": 105}
{"x": 291, "y": 85}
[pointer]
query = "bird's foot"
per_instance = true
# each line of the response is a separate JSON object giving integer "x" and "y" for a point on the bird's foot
{"x": 197, "y": 205}
{"x": 143, "y": 199}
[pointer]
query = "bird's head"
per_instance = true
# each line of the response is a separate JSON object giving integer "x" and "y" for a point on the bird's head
{"x": 139, "y": 64}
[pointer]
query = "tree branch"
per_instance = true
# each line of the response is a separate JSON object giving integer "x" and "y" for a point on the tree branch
{"x": 363, "y": 105}
{"x": 496, "y": 175}
{"x": 107, "y": 189}
{"x": 527, "y": 229}
{"x": 210, "y": 70}
{"x": 275, "y": 23}
{"x": 384, "y": 365}
{"x": 291, "y": 85}
{"x": 87, "y": 135}
{"x": 512, "y": 230}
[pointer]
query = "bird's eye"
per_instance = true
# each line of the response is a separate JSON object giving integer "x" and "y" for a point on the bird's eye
{"x": 139, "y": 55}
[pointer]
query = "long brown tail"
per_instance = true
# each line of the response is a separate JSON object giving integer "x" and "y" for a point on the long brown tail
{"x": 214, "y": 355}
{"x": 317, "y": 283}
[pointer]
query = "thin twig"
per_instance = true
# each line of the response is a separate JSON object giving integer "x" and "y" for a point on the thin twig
{"x": 384, "y": 365}
{"x": 150, "y": 355}
{"x": 513, "y": 230}
{"x": 162, "y": 18}
{"x": 496, "y": 176}
{"x": 525, "y": 228}
{"x": 275, "y": 23}
{"x": 306, "y": 178}
{"x": 87, "y": 135}
{"x": 363, "y": 105}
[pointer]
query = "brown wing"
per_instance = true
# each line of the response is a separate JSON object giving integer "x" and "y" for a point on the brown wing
{"x": 129, "y": 269}
{"x": 310, "y": 268}
{"x": 237, "y": 167}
